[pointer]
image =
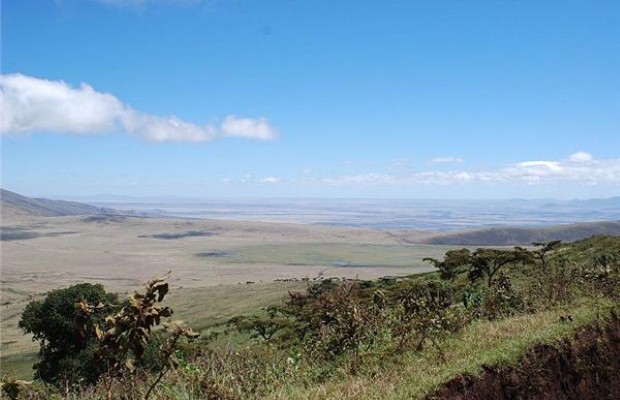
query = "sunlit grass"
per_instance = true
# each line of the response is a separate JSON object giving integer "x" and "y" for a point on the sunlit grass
{"x": 490, "y": 343}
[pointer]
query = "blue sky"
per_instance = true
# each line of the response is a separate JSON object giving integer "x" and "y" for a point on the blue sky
{"x": 408, "y": 99}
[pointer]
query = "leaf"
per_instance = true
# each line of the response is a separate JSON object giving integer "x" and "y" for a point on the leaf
{"x": 162, "y": 288}
{"x": 166, "y": 312}
{"x": 189, "y": 332}
{"x": 100, "y": 334}
{"x": 130, "y": 366}
{"x": 174, "y": 361}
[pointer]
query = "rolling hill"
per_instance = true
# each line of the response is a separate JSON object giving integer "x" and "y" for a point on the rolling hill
{"x": 16, "y": 204}
{"x": 512, "y": 236}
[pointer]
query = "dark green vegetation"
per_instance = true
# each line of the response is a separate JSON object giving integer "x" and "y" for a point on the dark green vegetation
{"x": 63, "y": 355}
{"x": 393, "y": 338}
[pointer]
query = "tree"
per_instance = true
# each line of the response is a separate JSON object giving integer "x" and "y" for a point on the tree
{"x": 263, "y": 326}
{"x": 487, "y": 262}
{"x": 64, "y": 352}
{"x": 452, "y": 260}
{"x": 543, "y": 249}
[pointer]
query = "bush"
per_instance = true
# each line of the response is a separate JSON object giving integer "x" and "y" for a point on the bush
{"x": 336, "y": 318}
{"x": 501, "y": 300}
{"x": 424, "y": 312}
{"x": 65, "y": 354}
{"x": 123, "y": 338}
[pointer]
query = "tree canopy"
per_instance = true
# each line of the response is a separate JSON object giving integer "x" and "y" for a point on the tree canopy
{"x": 51, "y": 322}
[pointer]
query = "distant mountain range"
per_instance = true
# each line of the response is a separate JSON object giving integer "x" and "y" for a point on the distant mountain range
{"x": 16, "y": 204}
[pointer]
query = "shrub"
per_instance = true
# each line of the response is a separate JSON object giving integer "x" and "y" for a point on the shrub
{"x": 333, "y": 319}
{"x": 122, "y": 338}
{"x": 65, "y": 353}
{"x": 424, "y": 313}
{"x": 500, "y": 299}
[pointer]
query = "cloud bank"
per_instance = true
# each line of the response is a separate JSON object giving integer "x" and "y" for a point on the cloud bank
{"x": 31, "y": 105}
{"x": 580, "y": 167}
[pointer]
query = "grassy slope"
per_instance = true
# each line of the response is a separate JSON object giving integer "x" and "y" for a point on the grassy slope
{"x": 202, "y": 308}
{"x": 489, "y": 343}
{"x": 412, "y": 375}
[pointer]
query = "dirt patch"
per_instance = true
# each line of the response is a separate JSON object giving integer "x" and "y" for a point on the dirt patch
{"x": 585, "y": 368}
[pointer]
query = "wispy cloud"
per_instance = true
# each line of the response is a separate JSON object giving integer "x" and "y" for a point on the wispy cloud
{"x": 366, "y": 179}
{"x": 604, "y": 172}
{"x": 580, "y": 167}
{"x": 446, "y": 160}
{"x": 271, "y": 179}
{"x": 31, "y": 105}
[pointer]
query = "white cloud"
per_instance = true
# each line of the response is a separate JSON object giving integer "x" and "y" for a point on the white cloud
{"x": 166, "y": 129}
{"x": 37, "y": 105}
{"x": 581, "y": 156}
{"x": 538, "y": 168}
{"x": 31, "y": 104}
{"x": 574, "y": 170}
{"x": 248, "y": 128}
{"x": 446, "y": 160}
{"x": 271, "y": 179}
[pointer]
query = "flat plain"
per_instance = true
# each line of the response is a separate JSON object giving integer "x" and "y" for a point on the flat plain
{"x": 218, "y": 268}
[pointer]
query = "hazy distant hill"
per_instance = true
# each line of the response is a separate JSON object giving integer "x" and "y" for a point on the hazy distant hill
{"x": 16, "y": 204}
{"x": 525, "y": 236}
{"x": 612, "y": 202}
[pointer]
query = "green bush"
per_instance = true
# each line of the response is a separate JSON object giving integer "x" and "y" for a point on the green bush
{"x": 65, "y": 354}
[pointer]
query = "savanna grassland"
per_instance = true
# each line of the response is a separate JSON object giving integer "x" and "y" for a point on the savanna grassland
{"x": 317, "y": 320}
{"x": 226, "y": 268}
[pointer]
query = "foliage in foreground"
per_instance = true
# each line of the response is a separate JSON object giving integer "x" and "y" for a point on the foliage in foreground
{"x": 73, "y": 330}
{"x": 63, "y": 355}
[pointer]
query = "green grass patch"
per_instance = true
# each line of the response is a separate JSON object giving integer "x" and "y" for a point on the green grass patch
{"x": 18, "y": 365}
{"x": 334, "y": 254}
